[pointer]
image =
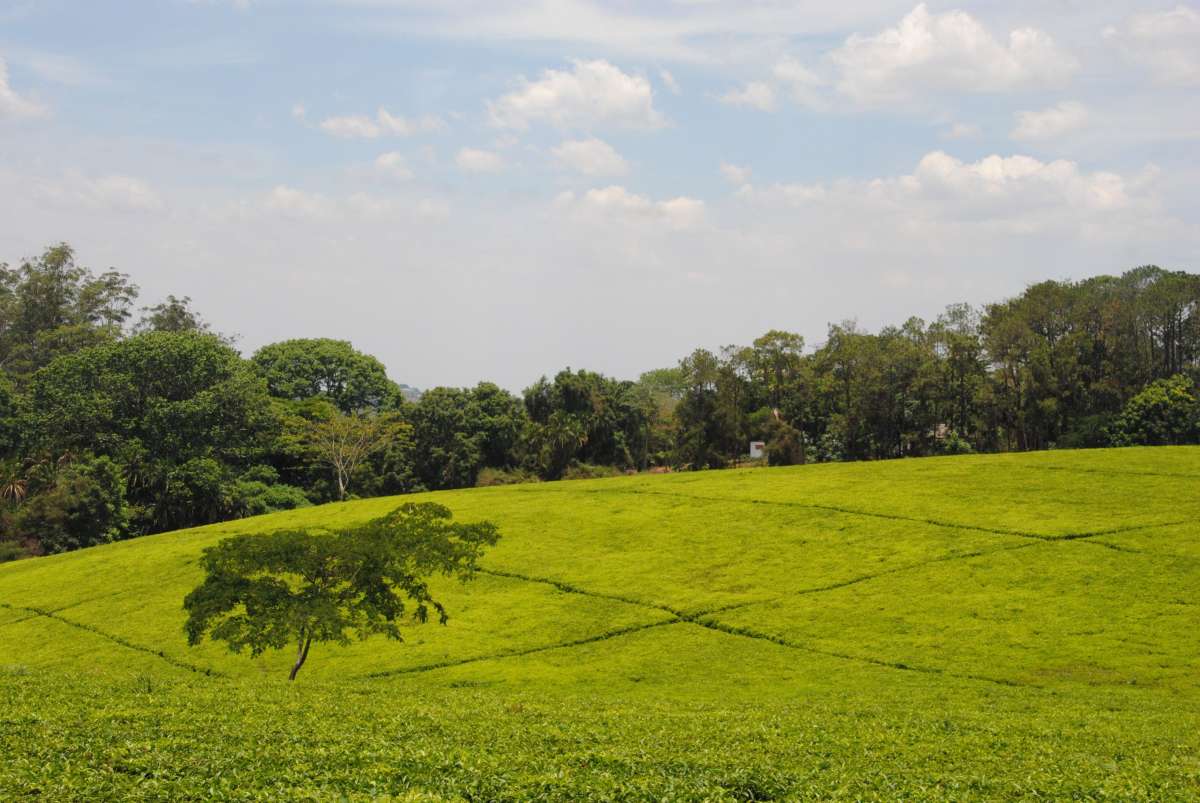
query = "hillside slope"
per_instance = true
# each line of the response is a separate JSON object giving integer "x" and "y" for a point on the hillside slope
{"x": 1041, "y": 608}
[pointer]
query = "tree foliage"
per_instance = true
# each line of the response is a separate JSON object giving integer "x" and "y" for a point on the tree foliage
{"x": 181, "y": 412}
{"x": 322, "y": 368}
{"x": 1167, "y": 412}
{"x": 81, "y": 504}
{"x": 293, "y": 587}
{"x": 51, "y": 305}
{"x": 344, "y": 442}
{"x": 171, "y": 315}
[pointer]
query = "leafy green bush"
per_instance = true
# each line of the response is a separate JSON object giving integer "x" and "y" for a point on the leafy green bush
{"x": 12, "y": 550}
{"x": 785, "y": 445}
{"x": 1088, "y": 432}
{"x": 84, "y": 506}
{"x": 1167, "y": 412}
{"x": 954, "y": 443}
{"x": 588, "y": 471}
{"x": 259, "y": 491}
{"x": 502, "y": 476}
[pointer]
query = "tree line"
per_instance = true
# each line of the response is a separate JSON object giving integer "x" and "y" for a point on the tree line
{"x": 118, "y": 421}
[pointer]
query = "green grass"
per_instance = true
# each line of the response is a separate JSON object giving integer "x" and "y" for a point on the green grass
{"x": 994, "y": 627}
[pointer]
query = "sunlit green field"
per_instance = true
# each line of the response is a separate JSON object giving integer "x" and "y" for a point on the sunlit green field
{"x": 1014, "y": 626}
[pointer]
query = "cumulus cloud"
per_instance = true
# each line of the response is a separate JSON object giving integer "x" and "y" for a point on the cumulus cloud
{"x": 1165, "y": 42}
{"x": 669, "y": 81}
{"x": 296, "y": 203}
{"x": 590, "y": 93}
{"x": 946, "y": 52}
{"x": 615, "y": 203}
{"x": 359, "y": 126}
{"x": 1049, "y": 123}
{"x": 119, "y": 193}
{"x": 803, "y": 84}
{"x": 961, "y": 130}
{"x": 315, "y": 209}
{"x": 1015, "y": 194}
{"x": 756, "y": 95}
{"x": 355, "y": 126}
{"x": 393, "y": 165}
{"x": 362, "y": 205}
{"x": 735, "y": 175}
{"x": 592, "y": 157}
{"x": 12, "y": 105}
{"x": 1019, "y": 181}
{"x": 474, "y": 160}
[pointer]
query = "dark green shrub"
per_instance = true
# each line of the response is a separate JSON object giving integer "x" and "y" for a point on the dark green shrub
{"x": 83, "y": 507}
{"x": 1165, "y": 412}
{"x": 501, "y": 476}
{"x": 587, "y": 471}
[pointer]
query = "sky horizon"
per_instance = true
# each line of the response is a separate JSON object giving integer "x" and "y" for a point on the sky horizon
{"x": 497, "y": 190}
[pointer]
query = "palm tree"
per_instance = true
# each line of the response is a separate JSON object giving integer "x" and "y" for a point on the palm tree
{"x": 14, "y": 484}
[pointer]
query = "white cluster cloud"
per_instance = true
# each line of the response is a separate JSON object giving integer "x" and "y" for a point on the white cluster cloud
{"x": 591, "y": 93}
{"x": 803, "y": 84}
{"x": 1063, "y": 118}
{"x": 475, "y": 160}
{"x": 1021, "y": 182}
{"x": 951, "y": 51}
{"x": 315, "y": 208}
{"x": 591, "y": 157}
{"x": 755, "y": 95}
{"x": 924, "y": 54}
{"x": 669, "y": 81}
{"x": 358, "y": 126}
{"x": 961, "y": 130}
{"x": 1166, "y": 42}
{"x": 943, "y": 189}
{"x": 736, "y": 175}
{"x": 296, "y": 203}
{"x": 119, "y": 193}
{"x": 615, "y": 203}
{"x": 393, "y": 165}
{"x": 12, "y": 105}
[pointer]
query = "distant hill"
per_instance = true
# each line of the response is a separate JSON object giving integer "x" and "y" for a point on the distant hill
{"x": 961, "y": 628}
{"x": 410, "y": 393}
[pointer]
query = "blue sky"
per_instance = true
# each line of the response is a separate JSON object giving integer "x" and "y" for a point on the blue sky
{"x": 494, "y": 190}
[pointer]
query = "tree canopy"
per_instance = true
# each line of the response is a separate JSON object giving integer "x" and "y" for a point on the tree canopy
{"x": 332, "y": 369}
{"x": 293, "y": 587}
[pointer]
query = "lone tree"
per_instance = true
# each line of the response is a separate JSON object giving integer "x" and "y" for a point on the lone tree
{"x": 294, "y": 587}
{"x": 345, "y": 441}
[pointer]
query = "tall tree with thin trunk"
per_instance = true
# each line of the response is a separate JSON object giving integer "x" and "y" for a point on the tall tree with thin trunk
{"x": 294, "y": 587}
{"x": 345, "y": 441}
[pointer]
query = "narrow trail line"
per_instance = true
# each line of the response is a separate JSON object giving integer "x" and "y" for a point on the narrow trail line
{"x": 896, "y": 517}
{"x": 49, "y": 614}
{"x": 909, "y": 567}
{"x": 610, "y": 634}
{"x": 17, "y": 621}
{"x": 705, "y": 620}
{"x": 745, "y": 632}
{"x": 570, "y": 588}
{"x": 1114, "y": 472}
{"x": 831, "y": 508}
{"x": 1150, "y": 553}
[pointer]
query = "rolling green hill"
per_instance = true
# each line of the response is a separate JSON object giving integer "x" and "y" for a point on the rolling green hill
{"x": 959, "y": 628}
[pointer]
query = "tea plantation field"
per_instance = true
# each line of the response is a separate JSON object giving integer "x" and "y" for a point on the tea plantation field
{"x": 983, "y": 627}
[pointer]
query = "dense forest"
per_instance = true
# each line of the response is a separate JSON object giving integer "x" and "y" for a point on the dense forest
{"x": 118, "y": 421}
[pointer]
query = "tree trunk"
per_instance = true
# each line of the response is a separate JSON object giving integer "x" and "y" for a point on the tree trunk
{"x": 301, "y": 655}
